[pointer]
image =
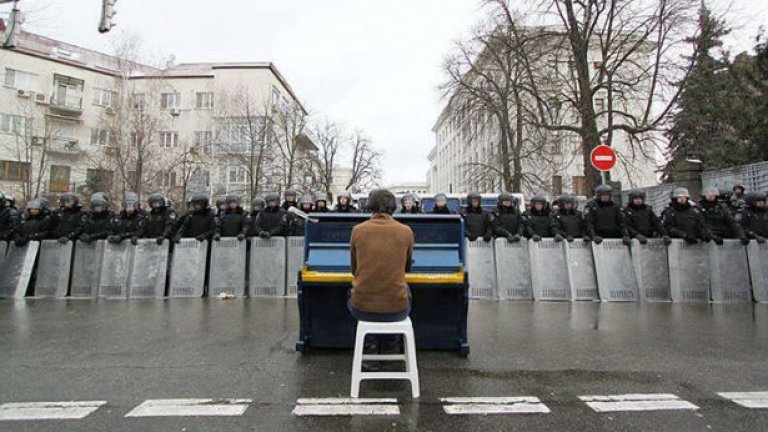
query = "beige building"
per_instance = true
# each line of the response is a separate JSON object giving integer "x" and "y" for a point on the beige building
{"x": 75, "y": 120}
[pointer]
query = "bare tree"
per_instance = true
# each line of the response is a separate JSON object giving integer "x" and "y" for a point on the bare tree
{"x": 294, "y": 147}
{"x": 366, "y": 163}
{"x": 616, "y": 60}
{"x": 330, "y": 139}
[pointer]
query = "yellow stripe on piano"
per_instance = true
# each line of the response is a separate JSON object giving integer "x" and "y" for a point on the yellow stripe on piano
{"x": 418, "y": 278}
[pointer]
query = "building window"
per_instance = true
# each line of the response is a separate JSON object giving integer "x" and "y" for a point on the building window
{"x": 104, "y": 98}
{"x": 203, "y": 138}
{"x": 13, "y": 124}
{"x": 59, "y": 179}
{"x": 169, "y": 139}
{"x": 237, "y": 175}
{"x": 100, "y": 137}
{"x": 14, "y": 171}
{"x": 557, "y": 185}
{"x": 579, "y": 185}
{"x": 168, "y": 179}
{"x": 170, "y": 100}
{"x": 599, "y": 105}
{"x": 204, "y": 100}
{"x": 276, "y": 96}
{"x": 98, "y": 179}
{"x": 138, "y": 100}
{"x": 20, "y": 80}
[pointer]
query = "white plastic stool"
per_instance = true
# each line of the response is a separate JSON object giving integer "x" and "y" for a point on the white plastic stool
{"x": 411, "y": 373}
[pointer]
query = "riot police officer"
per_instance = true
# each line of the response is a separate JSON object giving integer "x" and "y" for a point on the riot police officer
{"x": 568, "y": 222}
{"x": 8, "y": 220}
{"x": 98, "y": 225}
{"x": 537, "y": 220}
{"x": 293, "y": 224}
{"x": 161, "y": 220}
{"x": 290, "y": 198}
{"x": 257, "y": 205}
{"x": 604, "y": 218}
{"x": 344, "y": 203}
{"x": 221, "y": 205}
{"x": 409, "y": 204}
{"x": 739, "y": 191}
{"x": 69, "y": 220}
{"x": 321, "y": 203}
{"x": 755, "y": 218}
{"x": 477, "y": 221}
{"x": 36, "y": 224}
{"x": 642, "y": 222}
{"x": 233, "y": 221}
{"x": 441, "y": 204}
{"x": 269, "y": 222}
{"x": 199, "y": 222}
{"x": 130, "y": 223}
{"x": 684, "y": 221}
{"x": 507, "y": 220}
{"x": 718, "y": 219}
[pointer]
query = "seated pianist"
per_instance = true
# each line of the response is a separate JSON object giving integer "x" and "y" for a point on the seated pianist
{"x": 381, "y": 251}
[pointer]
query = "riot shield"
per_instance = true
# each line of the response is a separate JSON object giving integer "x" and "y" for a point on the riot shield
{"x": 17, "y": 270}
{"x": 729, "y": 272}
{"x": 481, "y": 269}
{"x": 188, "y": 268}
{"x": 115, "y": 270}
{"x": 651, "y": 270}
{"x": 581, "y": 270}
{"x": 758, "y": 270}
{"x": 513, "y": 270}
{"x": 615, "y": 274}
{"x": 227, "y": 272}
{"x": 53, "y": 266}
{"x": 150, "y": 265}
{"x": 267, "y": 267}
{"x": 549, "y": 272}
{"x": 86, "y": 269}
{"x": 294, "y": 262}
{"x": 688, "y": 271}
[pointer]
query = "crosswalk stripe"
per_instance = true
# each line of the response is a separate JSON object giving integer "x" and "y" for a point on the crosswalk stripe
{"x": 72, "y": 410}
{"x": 754, "y": 400}
{"x": 493, "y": 405}
{"x": 190, "y": 408}
{"x": 637, "y": 402}
{"x": 345, "y": 407}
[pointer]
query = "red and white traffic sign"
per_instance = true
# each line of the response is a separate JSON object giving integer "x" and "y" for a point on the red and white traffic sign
{"x": 603, "y": 158}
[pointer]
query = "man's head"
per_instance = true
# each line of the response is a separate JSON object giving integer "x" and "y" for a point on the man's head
{"x": 35, "y": 206}
{"x": 199, "y": 202}
{"x": 257, "y": 204}
{"x": 473, "y": 200}
{"x": 738, "y": 189}
{"x": 603, "y": 193}
{"x": 68, "y": 201}
{"x": 538, "y": 202}
{"x": 441, "y": 200}
{"x": 567, "y": 201}
{"x": 382, "y": 201}
{"x": 233, "y": 202}
{"x": 156, "y": 201}
{"x": 637, "y": 197}
{"x": 306, "y": 204}
{"x": 680, "y": 196}
{"x": 505, "y": 199}
{"x": 711, "y": 194}
{"x": 290, "y": 196}
{"x": 343, "y": 198}
{"x": 272, "y": 200}
{"x": 408, "y": 202}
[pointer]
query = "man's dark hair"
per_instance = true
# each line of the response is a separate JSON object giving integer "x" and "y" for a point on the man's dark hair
{"x": 382, "y": 201}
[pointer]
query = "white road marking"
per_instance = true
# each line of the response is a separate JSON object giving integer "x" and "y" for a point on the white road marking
{"x": 190, "y": 407}
{"x": 754, "y": 400}
{"x": 345, "y": 407}
{"x": 48, "y": 410}
{"x": 637, "y": 402}
{"x": 493, "y": 405}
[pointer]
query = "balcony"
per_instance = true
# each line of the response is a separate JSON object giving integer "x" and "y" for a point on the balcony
{"x": 65, "y": 146}
{"x": 67, "y": 104}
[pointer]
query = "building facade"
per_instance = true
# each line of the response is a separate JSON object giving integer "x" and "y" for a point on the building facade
{"x": 75, "y": 120}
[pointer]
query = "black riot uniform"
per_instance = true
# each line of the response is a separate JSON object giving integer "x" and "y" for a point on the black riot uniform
{"x": 568, "y": 222}
{"x": 130, "y": 223}
{"x": 69, "y": 220}
{"x": 755, "y": 218}
{"x": 718, "y": 219}
{"x": 642, "y": 223}
{"x": 440, "y": 208}
{"x": 257, "y": 205}
{"x": 34, "y": 227}
{"x": 684, "y": 221}
{"x": 161, "y": 219}
{"x": 290, "y": 199}
{"x": 232, "y": 222}
{"x": 347, "y": 207}
{"x": 604, "y": 218}
{"x": 199, "y": 223}
{"x": 477, "y": 222}
{"x": 537, "y": 222}
{"x": 507, "y": 220}
{"x": 293, "y": 224}
{"x": 269, "y": 222}
{"x": 99, "y": 224}
{"x": 9, "y": 219}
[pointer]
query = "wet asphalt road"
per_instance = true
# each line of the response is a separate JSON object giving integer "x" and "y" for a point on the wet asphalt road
{"x": 125, "y": 352}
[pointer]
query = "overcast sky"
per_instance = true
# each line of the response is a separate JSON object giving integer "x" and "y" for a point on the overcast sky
{"x": 368, "y": 64}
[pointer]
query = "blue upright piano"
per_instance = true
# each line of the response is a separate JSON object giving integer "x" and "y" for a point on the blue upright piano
{"x": 438, "y": 282}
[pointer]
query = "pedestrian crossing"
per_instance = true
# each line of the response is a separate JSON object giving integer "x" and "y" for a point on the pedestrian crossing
{"x": 336, "y": 407}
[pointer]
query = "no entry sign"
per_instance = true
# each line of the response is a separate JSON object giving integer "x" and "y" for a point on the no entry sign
{"x": 603, "y": 158}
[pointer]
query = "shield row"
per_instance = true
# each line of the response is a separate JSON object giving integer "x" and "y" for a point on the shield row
{"x": 260, "y": 267}
{"x": 612, "y": 271}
